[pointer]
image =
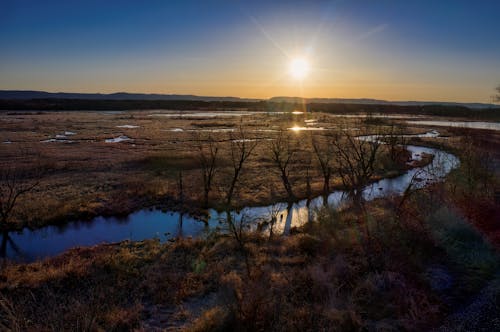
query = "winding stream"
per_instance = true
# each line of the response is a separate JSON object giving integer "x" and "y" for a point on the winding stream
{"x": 28, "y": 245}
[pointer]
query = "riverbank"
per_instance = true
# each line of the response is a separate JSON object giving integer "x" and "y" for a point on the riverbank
{"x": 167, "y": 225}
{"x": 404, "y": 262}
{"x": 407, "y": 274}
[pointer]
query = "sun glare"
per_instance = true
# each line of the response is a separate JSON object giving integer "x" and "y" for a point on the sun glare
{"x": 299, "y": 68}
{"x": 296, "y": 128}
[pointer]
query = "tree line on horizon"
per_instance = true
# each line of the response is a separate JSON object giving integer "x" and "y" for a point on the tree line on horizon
{"x": 51, "y": 104}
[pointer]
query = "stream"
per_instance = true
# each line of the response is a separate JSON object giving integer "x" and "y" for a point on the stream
{"x": 29, "y": 245}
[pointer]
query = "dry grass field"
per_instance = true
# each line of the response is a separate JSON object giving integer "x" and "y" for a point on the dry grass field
{"x": 397, "y": 263}
{"x": 84, "y": 175}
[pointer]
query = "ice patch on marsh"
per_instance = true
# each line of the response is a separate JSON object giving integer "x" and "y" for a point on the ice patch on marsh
{"x": 127, "y": 126}
{"x": 382, "y": 116}
{"x": 266, "y": 130}
{"x": 52, "y": 140}
{"x": 297, "y": 128}
{"x": 459, "y": 124}
{"x": 118, "y": 139}
{"x": 203, "y": 114}
{"x": 69, "y": 133}
{"x": 61, "y": 136}
{"x": 252, "y": 140}
{"x": 432, "y": 133}
{"x": 215, "y": 130}
{"x": 173, "y": 129}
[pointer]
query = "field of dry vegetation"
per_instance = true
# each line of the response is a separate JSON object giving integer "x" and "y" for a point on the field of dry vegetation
{"x": 84, "y": 176}
{"x": 413, "y": 262}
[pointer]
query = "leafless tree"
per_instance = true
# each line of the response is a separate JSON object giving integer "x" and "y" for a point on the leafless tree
{"x": 477, "y": 167}
{"x": 356, "y": 157}
{"x": 240, "y": 150}
{"x": 396, "y": 142}
{"x": 208, "y": 151}
{"x": 274, "y": 211}
{"x": 324, "y": 152}
{"x": 239, "y": 230}
{"x": 497, "y": 97}
{"x": 14, "y": 183}
{"x": 282, "y": 151}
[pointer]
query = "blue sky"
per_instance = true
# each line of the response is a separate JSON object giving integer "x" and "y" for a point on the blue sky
{"x": 418, "y": 50}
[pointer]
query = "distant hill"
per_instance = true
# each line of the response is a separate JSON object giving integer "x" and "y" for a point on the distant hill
{"x": 366, "y": 101}
{"x": 25, "y": 95}
{"x": 124, "y": 96}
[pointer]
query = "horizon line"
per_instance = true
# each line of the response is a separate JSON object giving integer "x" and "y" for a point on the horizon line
{"x": 253, "y": 98}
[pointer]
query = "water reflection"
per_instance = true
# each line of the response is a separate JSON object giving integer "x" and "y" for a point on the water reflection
{"x": 7, "y": 242}
{"x": 278, "y": 218}
{"x": 179, "y": 233}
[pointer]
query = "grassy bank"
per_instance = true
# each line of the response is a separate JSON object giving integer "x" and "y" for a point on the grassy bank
{"x": 398, "y": 263}
{"x": 384, "y": 268}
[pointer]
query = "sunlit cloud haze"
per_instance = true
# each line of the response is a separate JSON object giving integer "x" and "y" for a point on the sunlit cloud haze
{"x": 395, "y": 50}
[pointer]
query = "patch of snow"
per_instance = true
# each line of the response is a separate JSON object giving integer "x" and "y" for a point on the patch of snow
{"x": 52, "y": 140}
{"x": 127, "y": 126}
{"x": 118, "y": 139}
{"x": 297, "y": 128}
{"x": 266, "y": 130}
{"x": 252, "y": 140}
{"x": 459, "y": 124}
{"x": 215, "y": 130}
{"x": 203, "y": 114}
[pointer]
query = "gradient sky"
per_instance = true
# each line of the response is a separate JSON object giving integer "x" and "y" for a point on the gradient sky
{"x": 395, "y": 50}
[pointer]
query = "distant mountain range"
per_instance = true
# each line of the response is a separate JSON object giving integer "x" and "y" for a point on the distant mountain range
{"x": 366, "y": 101}
{"x": 22, "y": 94}
{"x": 26, "y": 95}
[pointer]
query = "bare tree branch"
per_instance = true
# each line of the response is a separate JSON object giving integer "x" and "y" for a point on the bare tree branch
{"x": 207, "y": 156}
{"x": 14, "y": 183}
{"x": 282, "y": 152}
{"x": 241, "y": 149}
{"x": 324, "y": 153}
{"x": 356, "y": 159}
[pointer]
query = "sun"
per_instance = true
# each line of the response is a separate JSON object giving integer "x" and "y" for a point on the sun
{"x": 299, "y": 68}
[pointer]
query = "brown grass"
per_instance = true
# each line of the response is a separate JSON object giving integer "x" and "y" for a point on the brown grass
{"x": 90, "y": 177}
{"x": 330, "y": 275}
{"x": 325, "y": 276}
